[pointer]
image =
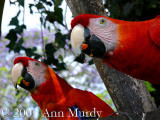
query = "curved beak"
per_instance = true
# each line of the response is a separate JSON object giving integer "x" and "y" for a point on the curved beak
{"x": 21, "y": 77}
{"x": 77, "y": 37}
{"x": 82, "y": 40}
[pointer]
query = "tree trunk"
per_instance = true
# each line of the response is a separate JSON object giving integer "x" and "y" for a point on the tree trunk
{"x": 154, "y": 115}
{"x": 1, "y": 12}
{"x": 128, "y": 94}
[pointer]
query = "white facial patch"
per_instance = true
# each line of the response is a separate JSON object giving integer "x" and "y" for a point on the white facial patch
{"x": 77, "y": 37}
{"x": 16, "y": 72}
{"x": 38, "y": 72}
{"x": 106, "y": 32}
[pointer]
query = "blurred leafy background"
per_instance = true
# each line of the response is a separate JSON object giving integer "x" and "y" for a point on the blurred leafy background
{"x": 51, "y": 45}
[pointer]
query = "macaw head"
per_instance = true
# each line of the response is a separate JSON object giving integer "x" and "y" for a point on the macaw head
{"x": 94, "y": 35}
{"x": 40, "y": 80}
{"x": 28, "y": 73}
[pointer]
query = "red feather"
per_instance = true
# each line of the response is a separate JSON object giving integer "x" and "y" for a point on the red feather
{"x": 23, "y": 60}
{"x": 155, "y": 31}
{"x": 83, "y": 20}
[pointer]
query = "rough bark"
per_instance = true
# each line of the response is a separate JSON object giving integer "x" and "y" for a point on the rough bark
{"x": 154, "y": 115}
{"x": 128, "y": 94}
{"x": 1, "y": 12}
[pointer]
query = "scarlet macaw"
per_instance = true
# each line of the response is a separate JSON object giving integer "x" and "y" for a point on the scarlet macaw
{"x": 130, "y": 47}
{"x": 56, "y": 98}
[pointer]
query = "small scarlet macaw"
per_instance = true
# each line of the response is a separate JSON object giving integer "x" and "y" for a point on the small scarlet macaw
{"x": 130, "y": 47}
{"x": 56, "y": 98}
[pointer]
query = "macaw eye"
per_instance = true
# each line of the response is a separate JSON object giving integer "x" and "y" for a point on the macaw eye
{"x": 102, "y": 21}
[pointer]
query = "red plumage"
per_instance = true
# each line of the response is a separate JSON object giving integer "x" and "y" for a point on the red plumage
{"x": 23, "y": 60}
{"x": 55, "y": 94}
{"x": 82, "y": 19}
{"x": 136, "y": 54}
{"x": 137, "y": 51}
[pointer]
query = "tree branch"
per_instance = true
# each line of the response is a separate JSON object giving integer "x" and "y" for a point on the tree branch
{"x": 1, "y": 13}
{"x": 154, "y": 115}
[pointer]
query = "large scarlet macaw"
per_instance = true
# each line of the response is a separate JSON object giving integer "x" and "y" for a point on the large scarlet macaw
{"x": 130, "y": 47}
{"x": 56, "y": 98}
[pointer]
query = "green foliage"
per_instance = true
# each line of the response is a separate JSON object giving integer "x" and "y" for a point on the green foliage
{"x": 105, "y": 96}
{"x": 57, "y": 3}
{"x": 60, "y": 39}
{"x": 149, "y": 86}
{"x": 15, "y": 41}
{"x": 133, "y": 10}
{"x": 32, "y": 52}
{"x": 15, "y": 36}
{"x": 54, "y": 16}
{"x": 21, "y": 2}
{"x": 154, "y": 91}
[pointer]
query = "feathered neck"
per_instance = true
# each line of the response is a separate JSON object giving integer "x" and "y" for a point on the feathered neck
{"x": 53, "y": 90}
